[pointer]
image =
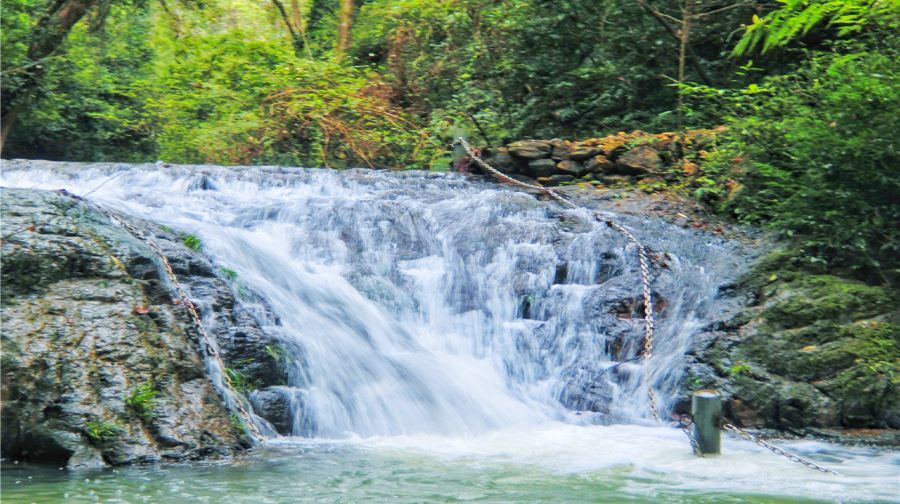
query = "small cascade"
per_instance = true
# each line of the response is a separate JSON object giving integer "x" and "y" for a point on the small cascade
{"x": 426, "y": 303}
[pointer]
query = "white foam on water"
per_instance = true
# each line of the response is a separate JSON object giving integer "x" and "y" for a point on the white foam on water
{"x": 432, "y": 316}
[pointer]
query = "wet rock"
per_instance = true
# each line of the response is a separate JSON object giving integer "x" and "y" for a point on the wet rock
{"x": 88, "y": 322}
{"x": 530, "y": 149}
{"x": 812, "y": 353}
{"x": 641, "y": 160}
{"x": 273, "y": 404}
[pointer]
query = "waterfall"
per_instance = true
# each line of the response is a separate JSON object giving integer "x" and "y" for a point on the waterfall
{"x": 419, "y": 302}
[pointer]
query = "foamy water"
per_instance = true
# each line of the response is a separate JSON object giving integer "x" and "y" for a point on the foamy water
{"x": 446, "y": 330}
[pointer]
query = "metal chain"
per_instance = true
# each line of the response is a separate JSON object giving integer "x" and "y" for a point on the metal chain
{"x": 185, "y": 301}
{"x": 776, "y": 450}
{"x": 684, "y": 423}
{"x": 643, "y": 257}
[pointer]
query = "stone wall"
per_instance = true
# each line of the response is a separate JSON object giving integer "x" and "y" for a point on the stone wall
{"x": 618, "y": 159}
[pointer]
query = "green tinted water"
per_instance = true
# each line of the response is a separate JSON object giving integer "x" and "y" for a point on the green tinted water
{"x": 557, "y": 464}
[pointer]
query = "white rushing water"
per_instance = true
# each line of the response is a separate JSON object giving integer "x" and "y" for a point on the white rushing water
{"x": 424, "y": 312}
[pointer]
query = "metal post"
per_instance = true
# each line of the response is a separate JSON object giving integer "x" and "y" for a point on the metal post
{"x": 706, "y": 408}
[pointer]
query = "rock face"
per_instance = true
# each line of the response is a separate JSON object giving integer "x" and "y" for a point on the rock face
{"x": 100, "y": 365}
{"x": 813, "y": 351}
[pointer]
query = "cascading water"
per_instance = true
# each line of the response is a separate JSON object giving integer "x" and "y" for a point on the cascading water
{"x": 426, "y": 303}
{"x": 448, "y": 340}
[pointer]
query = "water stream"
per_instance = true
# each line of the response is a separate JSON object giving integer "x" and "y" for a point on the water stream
{"x": 448, "y": 340}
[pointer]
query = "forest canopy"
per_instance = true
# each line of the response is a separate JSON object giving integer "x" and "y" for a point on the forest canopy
{"x": 807, "y": 91}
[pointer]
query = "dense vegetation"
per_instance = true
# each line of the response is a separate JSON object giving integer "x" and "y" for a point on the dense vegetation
{"x": 808, "y": 90}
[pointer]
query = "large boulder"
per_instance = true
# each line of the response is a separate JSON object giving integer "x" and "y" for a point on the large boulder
{"x": 569, "y": 167}
{"x": 583, "y": 152}
{"x": 100, "y": 364}
{"x": 599, "y": 164}
{"x": 815, "y": 351}
{"x": 502, "y": 160}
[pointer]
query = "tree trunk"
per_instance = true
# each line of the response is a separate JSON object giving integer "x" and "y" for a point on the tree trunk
{"x": 345, "y": 23}
{"x": 684, "y": 35}
{"x": 297, "y": 14}
{"x": 45, "y": 39}
{"x": 296, "y": 38}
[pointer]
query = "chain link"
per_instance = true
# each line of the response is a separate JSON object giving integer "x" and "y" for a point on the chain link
{"x": 208, "y": 346}
{"x": 643, "y": 257}
{"x": 684, "y": 423}
{"x": 776, "y": 450}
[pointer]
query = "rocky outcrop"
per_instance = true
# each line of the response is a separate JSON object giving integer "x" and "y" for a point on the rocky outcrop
{"x": 100, "y": 364}
{"x": 812, "y": 351}
{"x": 614, "y": 160}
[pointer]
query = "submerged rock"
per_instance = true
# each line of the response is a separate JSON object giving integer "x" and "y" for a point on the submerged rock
{"x": 100, "y": 364}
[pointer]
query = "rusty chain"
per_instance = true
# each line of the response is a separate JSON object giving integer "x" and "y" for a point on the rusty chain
{"x": 643, "y": 257}
{"x": 684, "y": 423}
{"x": 776, "y": 450}
{"x": 208, "y": 346}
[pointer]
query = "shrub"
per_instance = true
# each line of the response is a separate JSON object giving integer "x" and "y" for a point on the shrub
{"x": 99, "y": 431}
{"x": 814, "y": 155}
{"x": 192, "y": 242}
{"x": 141, "y": 400}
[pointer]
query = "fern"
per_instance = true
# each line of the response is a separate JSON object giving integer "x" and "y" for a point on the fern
{"x": 798, "y": 17}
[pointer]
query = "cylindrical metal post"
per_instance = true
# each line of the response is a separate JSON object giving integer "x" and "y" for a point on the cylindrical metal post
{"x": 706, "y": 408}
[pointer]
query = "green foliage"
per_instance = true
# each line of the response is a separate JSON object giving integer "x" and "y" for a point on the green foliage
{"x": 229, "y": 273}
{"x": 99, "y": 431}
{"x": 239, "y": 380}
{"x": 237, "y": 424}
{"x": 222, "y": 84}
{"x": 192, "y": 242}
{"x": 814, "y": 154}
{"x": 876, "y": 347}
{"x": 86, "y": 106}
{"x": 738, "y": 369}
{"x": 795, "y": 18}
{"x": 142, "y": 399}
{"x": 277, "y": 352}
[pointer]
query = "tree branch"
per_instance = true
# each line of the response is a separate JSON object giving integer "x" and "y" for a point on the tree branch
{"x": 692, "y": 56}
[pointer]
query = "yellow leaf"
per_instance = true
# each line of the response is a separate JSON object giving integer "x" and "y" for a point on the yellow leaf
{"x": 809, "y": 348}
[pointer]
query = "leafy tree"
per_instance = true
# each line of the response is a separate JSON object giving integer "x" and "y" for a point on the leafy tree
{"x": 43, "y": 40}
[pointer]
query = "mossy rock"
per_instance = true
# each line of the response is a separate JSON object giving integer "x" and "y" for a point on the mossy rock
{"x": 819, "y": 350}
{"x": 816, "y": 298}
